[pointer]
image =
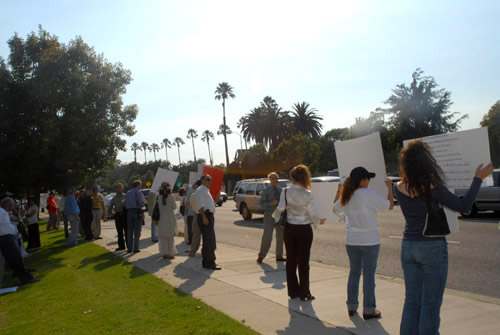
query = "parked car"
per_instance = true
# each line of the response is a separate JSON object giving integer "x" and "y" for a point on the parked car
{"x": 247, "y": 197}
{"x": 488, "y": 198}
{"x": 222, "y": 198}
{"x": 236, "y": 187}
{"x": 325, "y": 179}
{"x": 145, "y": 192}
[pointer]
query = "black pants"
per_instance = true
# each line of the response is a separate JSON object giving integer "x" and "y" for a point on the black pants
{"x": 208, "y": 237}
{"x": 33, "y": 236}
{"x": 12, "y": 254}
{"x": 121, "y": 228}
{"x": 86, "y": 221}
{"x": 298, "y": 241}
{"x": 189, "y": 220}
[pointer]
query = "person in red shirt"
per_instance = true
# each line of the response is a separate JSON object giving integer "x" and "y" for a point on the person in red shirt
{"x": 52, "y": 207}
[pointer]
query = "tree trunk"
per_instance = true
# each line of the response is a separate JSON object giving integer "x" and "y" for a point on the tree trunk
{"x": 225, "y": 142}
{"x": 194, "y": 152}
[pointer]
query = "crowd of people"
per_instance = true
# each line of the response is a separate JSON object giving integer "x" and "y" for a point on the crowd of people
{"x": 424, "y": 259}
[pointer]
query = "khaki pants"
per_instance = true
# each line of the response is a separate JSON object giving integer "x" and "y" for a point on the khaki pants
{"x": 96, "y": 222}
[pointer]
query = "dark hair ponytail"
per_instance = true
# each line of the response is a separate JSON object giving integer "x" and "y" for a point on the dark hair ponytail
{"x": 350, "y": 185}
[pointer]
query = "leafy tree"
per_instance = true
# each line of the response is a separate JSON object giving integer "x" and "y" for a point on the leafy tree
{"x": 305, "y": 120}
{"x": 192, "y": 134}
{"x": 134, "y": 147}
{"x": 207, "y": 136}
{"x": 328, "y": 157}
{"x": 167, "y": 144}
{"x": 492, "y": 121}
{"x": 179, "y": 141}
{"x": 145, "y": 146}
{"x": 298, "y": 149}
{"x": 62, "y": 113}
{"x": 222, "y": 92}
{"x": 256, "y": 162}
{"x": 156, "y": 148}
{"x": 422, "y": 109}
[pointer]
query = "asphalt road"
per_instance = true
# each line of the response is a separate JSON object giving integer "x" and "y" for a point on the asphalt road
{"x": 474, "y": 252}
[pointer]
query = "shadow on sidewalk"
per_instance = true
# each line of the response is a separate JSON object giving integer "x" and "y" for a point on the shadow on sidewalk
{"x": 275, "y": 276}
{"x": 372, "y": 326}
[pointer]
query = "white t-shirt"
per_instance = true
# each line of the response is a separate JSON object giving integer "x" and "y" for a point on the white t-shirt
{"x": 361, "y": 211}
{"x": 34, "y": 218}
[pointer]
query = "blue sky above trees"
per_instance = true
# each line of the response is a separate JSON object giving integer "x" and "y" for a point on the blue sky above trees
{"x": 342, "y": 57}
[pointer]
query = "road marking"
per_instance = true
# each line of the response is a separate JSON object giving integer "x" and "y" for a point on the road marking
{"x": 400, "y": 237}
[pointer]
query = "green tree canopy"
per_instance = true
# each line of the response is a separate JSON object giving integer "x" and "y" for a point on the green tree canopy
{"x": 422, "y": 109}
{"x": 62, "y": 113}
{"x": 492, "y": 121}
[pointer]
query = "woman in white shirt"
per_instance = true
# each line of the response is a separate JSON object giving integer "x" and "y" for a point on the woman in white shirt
{"x": 361, "y": 204}
{"x": 298, "y": 233}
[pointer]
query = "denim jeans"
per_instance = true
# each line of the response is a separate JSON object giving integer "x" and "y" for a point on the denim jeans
{"x": 362, "y": 258}
{"x": 425, "y": 267}
{"x": 73, "y": 236}
{"x": 134, "y": 226}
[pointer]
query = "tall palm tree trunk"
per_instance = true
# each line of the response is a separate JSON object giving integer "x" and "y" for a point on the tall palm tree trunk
{"x": 179, "y": 152}
{"x": 210, "y": 155}
{"x": 166, "y": 153}
{"x": 225, "y": 142}
{"x": 194, "y": 152}
{"x": 135, "y": 156}
{"x": 145, "y": 161}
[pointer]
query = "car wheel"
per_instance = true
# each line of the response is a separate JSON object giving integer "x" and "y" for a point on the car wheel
{"x": 245, "y": 212}
{"x": 473, "y": 212}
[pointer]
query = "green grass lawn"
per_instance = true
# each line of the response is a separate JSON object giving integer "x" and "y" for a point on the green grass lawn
{"x": 88, "y": 290}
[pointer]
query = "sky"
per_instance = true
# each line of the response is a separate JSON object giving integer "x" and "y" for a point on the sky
{"x": 342, "y": 57}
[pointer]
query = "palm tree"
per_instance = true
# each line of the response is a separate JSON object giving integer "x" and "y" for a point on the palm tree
{"x": 145, "y": 146}
{"x": 179, "y": 141}
{"x": 192, "y": 134}
{"x": 222, "y": 92}
{"x": 207, "y": 136}
{"x": 305, "y": 119}
{"x": 167, "y": 144}
{"x": 223, "y": 127}
{"x": 267, "y": 124}
{"x": 156, "y": 148}
{"x": 134, "y": 148}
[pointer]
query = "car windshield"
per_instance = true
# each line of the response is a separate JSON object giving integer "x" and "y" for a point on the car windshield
{"x": 284, "y": 183}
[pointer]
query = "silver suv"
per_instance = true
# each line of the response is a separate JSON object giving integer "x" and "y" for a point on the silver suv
{"x": 247, "y": 196}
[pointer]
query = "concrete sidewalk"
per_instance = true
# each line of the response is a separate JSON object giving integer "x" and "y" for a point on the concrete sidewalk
{"x": 256, "y": 295}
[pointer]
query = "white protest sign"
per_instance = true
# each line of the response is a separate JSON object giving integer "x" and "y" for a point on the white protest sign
{"x": 193, "y": 177}
{"x": 458, "y": 154}
{"x": 323, "y": 196}
{"x": 367, "y": 152}
{"x": 200, "y": 170}
{"x": 161, "y": 176}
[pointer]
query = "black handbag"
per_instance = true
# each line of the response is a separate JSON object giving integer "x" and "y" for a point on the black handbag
{"x": 156, "y": 212}
{"x": 283, "y": 217}
{"x": 436, "y": 224}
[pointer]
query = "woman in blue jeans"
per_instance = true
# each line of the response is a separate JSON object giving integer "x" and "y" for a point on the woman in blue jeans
{"x": 361, "y": 205}
{"x": 424, "y": 259}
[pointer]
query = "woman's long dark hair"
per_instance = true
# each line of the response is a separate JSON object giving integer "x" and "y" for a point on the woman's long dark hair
{"x": 164, "y": 192}
{"x": 350, "y": 185}
{"x": 418, "y": 168}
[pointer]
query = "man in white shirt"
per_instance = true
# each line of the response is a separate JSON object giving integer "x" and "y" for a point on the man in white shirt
{"x": 9, "y": 246}
{"x": 205, "y": 207}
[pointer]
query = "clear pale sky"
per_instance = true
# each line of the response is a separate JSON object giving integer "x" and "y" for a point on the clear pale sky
{"x": 342, "y": 57}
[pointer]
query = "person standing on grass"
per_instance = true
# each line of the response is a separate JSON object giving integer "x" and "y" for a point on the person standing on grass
{"x": 205, "y": 207}
{"x": 52, "y": 206}
{"x": 269, "y": 199}
{"x": 8, "y": 244}
{"x": 72, "y": 211}
{"x": 61, "y": 209}
{"x": 98, "y": 212}
{"x": 116, "y": 210}
{"x": 33, "y": 228}
{"x": 134, "y": 201}
{"x": 361, "y": 205}
{"x": 166, "y": 222}
{"x": 85, "y": 204}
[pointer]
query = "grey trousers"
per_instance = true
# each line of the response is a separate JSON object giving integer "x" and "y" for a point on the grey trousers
{"x": 73, "y": 236}
{"x": 195, "y": 242}
{"x": 267, "y": 236}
